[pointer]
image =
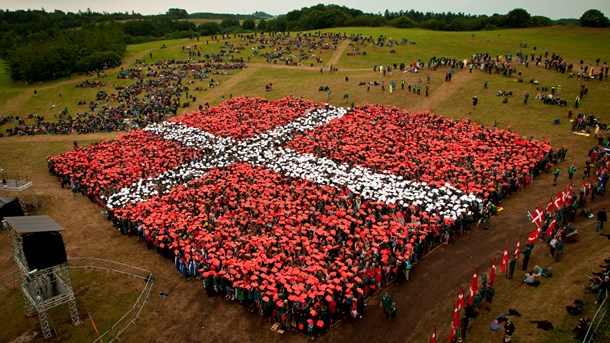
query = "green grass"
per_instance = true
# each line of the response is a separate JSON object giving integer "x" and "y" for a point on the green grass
{"x": 97, "y": 301}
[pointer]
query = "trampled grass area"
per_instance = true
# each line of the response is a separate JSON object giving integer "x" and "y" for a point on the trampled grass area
{"x": 452, "y": 99}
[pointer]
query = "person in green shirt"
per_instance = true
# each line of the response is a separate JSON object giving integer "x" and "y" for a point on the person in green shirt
{"x": 483, "y": 288}
{"x": 393, "y": 310}
{"x": 511, "y": 267}
{"x": 408, "y": 266}
{"x": 571, "y": 172}
{"x": 489, "y": 295}
{"x": 555, "y": 176}
{"x": 559, "y": 249}
{"x": 526, "y": 256}
{"x": 476, "y": 301}
{"x": 386, "y": 303}
{"x": 485, "y": 219}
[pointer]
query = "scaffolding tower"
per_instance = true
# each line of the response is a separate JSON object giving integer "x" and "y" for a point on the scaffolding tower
{"x": 19, "y": 184}
{"x": 45, "y": 288}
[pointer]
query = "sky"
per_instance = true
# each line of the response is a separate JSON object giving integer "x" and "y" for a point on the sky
{"x": 554, "y": 9}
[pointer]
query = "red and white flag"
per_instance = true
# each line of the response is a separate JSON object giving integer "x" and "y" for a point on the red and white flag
{"x": 460, "y": 301}
{"x": 532, "y": 237}
{"x": 568, "y": 195}
{"x": 551, "y": 228}
{"x": 504, "y": 258}
{"x": 551, "y": 205}
{"x": 452, "y": 333}
{"x": 492, "y": 273}
{"x": 559, "y": 201}
{"x": 517, "y": 248}
{"x": 433, "y": 338}
{"x": 538, "y": 216}
{"x": 473, "y": 287}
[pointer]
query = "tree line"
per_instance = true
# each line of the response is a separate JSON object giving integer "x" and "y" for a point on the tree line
{"x": 38, "y": 45}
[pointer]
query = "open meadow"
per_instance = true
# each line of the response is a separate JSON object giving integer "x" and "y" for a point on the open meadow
{"x": 428, "y": 299}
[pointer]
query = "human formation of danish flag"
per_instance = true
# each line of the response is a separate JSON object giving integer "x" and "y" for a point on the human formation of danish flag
{"x": 301, "y": 201}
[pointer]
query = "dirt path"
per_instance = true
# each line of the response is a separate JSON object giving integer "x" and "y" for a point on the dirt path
{"x": 444, "y": 92}
{"x": 225, "y": 86}
{"x": 337, "y": 53}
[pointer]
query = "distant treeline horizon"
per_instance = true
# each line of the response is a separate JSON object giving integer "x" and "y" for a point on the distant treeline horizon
{"x": 39, "y": 45}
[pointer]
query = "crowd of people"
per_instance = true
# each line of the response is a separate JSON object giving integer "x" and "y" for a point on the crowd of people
{"x": 434, "y": 152}
{"x": 159, "y": 90}
{"x": 295, "y": 50}
{"x": 300, "y": 210}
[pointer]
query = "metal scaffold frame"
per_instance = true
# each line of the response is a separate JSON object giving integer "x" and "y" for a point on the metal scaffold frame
{"x": 43, "y": 289}
{"x": 17, "y": 184}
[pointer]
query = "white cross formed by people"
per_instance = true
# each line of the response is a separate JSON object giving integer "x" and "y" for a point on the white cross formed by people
{"x": 267, "y": 150}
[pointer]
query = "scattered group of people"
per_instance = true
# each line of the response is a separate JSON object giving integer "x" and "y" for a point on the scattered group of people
{"x": 159, "y": 90}
{"x": 296, "y": 50}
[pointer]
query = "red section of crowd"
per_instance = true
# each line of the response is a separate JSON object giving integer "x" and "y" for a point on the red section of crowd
{"x": 242, "y": 117}
{"x": 260, "y": 229}
{"x": 110, "y": 165}
{"x": 425, "y": 147}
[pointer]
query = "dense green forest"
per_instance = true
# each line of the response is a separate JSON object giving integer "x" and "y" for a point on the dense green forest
{"x": 39, "y": 45}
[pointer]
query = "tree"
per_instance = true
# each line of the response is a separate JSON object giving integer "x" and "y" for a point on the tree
{"x": 404, "y": 22}
{"x": 540, "y": 21}
{"x": 227, "y": 23}
{"x": 209, "y": 28}
{"x": 248, "y": 24}
{"x": 177, "y": 13}
{"x": 518, "y": 18}
{"x": 281, "y": 24}
{"x": 594, "y": 18}
{"x": 262, "y": 25}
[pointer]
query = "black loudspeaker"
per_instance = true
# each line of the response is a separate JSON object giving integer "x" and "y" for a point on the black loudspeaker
{"x": 43, "y": 249}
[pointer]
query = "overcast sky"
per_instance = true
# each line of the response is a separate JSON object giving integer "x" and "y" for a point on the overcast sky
{"x": 554, "y": 9}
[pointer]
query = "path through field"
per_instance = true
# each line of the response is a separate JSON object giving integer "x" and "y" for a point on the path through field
{"x": 443, "y": 93}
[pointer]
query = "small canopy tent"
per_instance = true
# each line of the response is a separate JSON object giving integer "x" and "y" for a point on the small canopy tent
{"x": 9, "y": 207}
{"x": 43, "y": 245}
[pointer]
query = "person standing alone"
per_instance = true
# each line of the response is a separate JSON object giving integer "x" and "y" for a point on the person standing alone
{"x": 601, "y": 218}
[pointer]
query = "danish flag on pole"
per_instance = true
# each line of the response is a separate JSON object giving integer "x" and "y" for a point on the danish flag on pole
{"x": 492, "y": 273}
{"x": 551, "y": 228}
{"x": 567, "y": 195}
{"x": 538, "y": 216}
{"x": 473, "y": 287}
{"x": 504, "y": 258}
{"x": 517, "y": 248}
{"x": 559, "y": 201}
{"x": 533, "y": 236}
{"x": 460, "y": 301}
{"x": 550, "y": 207}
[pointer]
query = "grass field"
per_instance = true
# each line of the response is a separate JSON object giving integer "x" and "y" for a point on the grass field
{"x": 87, "y": 229}
{"x": 98, "y": 304}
